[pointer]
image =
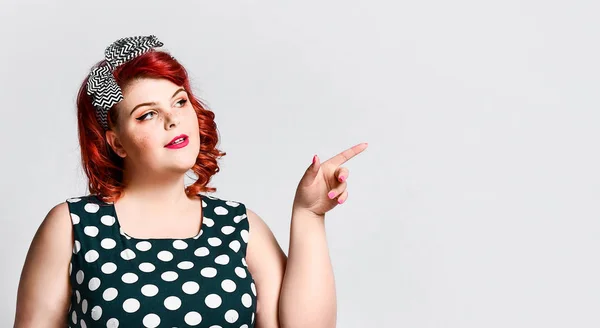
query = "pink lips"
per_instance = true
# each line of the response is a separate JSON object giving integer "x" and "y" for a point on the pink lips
{"x": 182, "y": 144}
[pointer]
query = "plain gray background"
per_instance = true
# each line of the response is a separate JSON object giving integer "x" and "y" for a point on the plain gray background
{"x": 476, "y": 203}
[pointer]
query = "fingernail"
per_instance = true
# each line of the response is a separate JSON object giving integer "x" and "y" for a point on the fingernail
{"x": 331, "y": 194}
{"x": 314, "y": 159}
{"x": 342, "y": 178}
{"x": 340, "y": 201}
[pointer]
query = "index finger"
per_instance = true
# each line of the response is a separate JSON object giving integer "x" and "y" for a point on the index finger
{"x": 347, "y": 154}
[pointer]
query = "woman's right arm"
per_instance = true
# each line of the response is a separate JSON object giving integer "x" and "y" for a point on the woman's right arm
{"x": 43, "y": 296}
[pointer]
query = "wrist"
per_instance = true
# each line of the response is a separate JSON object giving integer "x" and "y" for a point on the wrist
{"x": 304, "y": 213}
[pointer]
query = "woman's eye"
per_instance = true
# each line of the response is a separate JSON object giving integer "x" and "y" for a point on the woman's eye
{"x": 143, "y": 117}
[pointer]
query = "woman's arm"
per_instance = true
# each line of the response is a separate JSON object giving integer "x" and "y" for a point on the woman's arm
{"x": 44, "y": 289}
{"x": 294, "y": 292}
{"x": 266, "y": 262}
{"x": 308, "y": 291}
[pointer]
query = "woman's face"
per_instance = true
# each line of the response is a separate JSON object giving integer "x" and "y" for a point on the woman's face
{"x": 151, "y": 114}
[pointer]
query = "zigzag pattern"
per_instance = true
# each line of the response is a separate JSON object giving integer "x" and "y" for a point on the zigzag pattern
{"x": 101, "y": 84}
{"x": 125, "y": 49}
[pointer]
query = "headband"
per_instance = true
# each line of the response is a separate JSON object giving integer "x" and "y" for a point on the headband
{"x": 101, "y": 84}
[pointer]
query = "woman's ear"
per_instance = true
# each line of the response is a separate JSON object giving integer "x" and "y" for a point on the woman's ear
{"x": 113, "y": 140}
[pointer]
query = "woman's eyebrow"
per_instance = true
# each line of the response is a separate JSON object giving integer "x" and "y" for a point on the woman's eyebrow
{"x": 154, "y": 103}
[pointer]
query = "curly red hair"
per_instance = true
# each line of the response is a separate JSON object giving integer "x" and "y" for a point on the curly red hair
{"x": 103, "y": 167}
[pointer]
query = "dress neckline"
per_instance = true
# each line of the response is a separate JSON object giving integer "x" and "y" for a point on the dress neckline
{"x": 113, "y": 209}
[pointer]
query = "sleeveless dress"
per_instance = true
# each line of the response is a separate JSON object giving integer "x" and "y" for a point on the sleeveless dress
{"x": 121, "y": 281}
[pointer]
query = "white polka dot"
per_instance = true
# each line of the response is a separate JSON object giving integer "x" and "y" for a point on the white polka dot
{"x": 75, "y": 218}
{"x": 244, "y": 326}
{"x": 244, "y": 262}
{"x": 109, "y": 267}
{"x": 79, "y": 277}
{"x": 147, "y": 267}
{"x": 143, "y": 246}
{"x": 193, "y": 318}
{"x": 190, "y": 287}
{"x": 253, "y": 287}
{"x": 110, "y": 294}
{"x": 96, "y": 312}
{"x": 208, "y": 222}
{"x": 112, "y": 323}
{"x": 199, "y": 234}
{"x": 165, "y": 256}
{"x": 203, "y": 203}
{"x": 180, "y": 244}
{"x": 228, "y": 285}
{"x": 131, "y": 305}
{"x": 235, "y": 245}
{"x": 252, "y": 321}
{"x": 202, "y": 251}
{"x": 74, "y": 200}
{"x": 84, "y": 305}
{"x": 208, "y": 272}
{"x": 94, "y": 284}
{"x": 227, "y": 230}
{"x": 231, "y": 316}
{"x": 76, "y": 247}
{"x": 244, "y": 234}
{"x": 232, "y": 203}
{"x": 220, "y": 210}
{"x": 108, "y": 243}
{"x": 107, "y": 220}
{"x": 214, "y": 241}
{"x": 169, "y": 276}
{"x": 91, "y": 208}
{"x": 78, "y": 296}
{"x": 91, "y": 256}
{"x": 241, "y": 272}
{"x": 127, "y": 254}
{"x": 247, "y": 300}
{"x": 149, "y": 290}
{"x": 91, "y": 231}
{"x": 239, "y": 218}
{"x": 213, "y": 301}
{"x": 83, "y": 324}
{"x": 70, "y": 268}
{"x": 129, "y": 278}
{"x": 185, "y": 265}
{"x": 151, "y": 320}
{"x": 172, "y": 302}
{"x": 74, "y": 316}
{"x": 222, "y": 259}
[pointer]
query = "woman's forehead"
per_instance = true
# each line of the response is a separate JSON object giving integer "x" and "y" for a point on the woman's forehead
{"x": 141, "y": 86}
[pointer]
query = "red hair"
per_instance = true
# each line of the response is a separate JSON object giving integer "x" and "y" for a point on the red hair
{"x": 103, "y": 167}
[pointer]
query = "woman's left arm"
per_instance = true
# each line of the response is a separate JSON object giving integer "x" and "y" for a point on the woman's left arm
{"x": 308, "y": 290}
{"x": 299, "y": 291}
{"x": 294, "y": 292}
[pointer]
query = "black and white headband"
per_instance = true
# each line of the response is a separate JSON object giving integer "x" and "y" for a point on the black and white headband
{"x": 102, "y": 85}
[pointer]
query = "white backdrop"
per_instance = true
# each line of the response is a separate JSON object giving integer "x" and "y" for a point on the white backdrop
{"x": 475, "y": 204}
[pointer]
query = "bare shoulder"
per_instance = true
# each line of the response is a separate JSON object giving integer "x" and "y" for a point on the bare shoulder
{"x": 57, "y": 223}
{"x": 260, "y": 235}
{"x": 256, "y": 222}
{"x": 55, "y": 231}
{"x": 44, "y": 289}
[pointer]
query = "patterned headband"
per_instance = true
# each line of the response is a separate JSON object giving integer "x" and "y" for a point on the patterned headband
{"x": 102, "y": 85}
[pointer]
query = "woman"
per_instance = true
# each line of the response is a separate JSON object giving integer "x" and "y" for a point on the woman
{"x": 171, "y": 256}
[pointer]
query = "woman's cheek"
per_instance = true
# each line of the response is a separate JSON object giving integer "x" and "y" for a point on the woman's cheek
{"x": 144, "y": 143}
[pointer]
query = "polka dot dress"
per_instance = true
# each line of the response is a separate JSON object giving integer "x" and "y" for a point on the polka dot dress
{"x": 121, "y": 281}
